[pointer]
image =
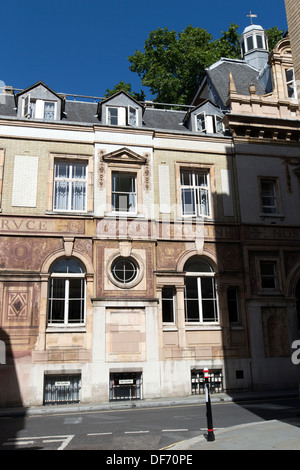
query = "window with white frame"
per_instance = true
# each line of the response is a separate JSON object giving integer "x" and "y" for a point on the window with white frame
{"x": 113, "y": 116}
{"x": 200, "y": 122}
{"x": 200, "y": 292}
{"x": 168, "y": 304}
{"x": 269, "y": 197}
{"x": 291, "y": 83}
{"x": 38, "y": 109}
{"x": 124, "y": 192}
{"x": 132, "y": 116}
{"x": 195, "y": 193}
{"x": 70, "y": 186}
{"x": 67, "y": 293}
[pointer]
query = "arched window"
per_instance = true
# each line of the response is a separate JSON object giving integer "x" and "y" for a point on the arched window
{"x": 200, "y": 292}
{"x": 66, "y": 303}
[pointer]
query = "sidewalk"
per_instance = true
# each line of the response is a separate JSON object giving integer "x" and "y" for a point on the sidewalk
{"x": 261, "y": 435}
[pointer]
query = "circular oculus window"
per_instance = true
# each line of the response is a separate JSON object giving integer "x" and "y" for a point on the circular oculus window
{"x": 124, "y": 270}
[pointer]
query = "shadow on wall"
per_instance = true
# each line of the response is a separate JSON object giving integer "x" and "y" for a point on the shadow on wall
{"x": 10, "y": 395}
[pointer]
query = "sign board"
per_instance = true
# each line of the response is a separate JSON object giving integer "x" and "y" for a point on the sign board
{"x": 62, "y": 384}
{"x": 125, "y": 381}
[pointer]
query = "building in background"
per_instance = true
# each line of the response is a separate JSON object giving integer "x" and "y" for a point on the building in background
{"x": 293, "y": 18}
{"x": 140, "y": 245}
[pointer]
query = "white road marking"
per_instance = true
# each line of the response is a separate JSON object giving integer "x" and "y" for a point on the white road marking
{"x": 26, "y": 441}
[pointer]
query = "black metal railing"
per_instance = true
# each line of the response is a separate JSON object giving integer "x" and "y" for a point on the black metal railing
{"x": 198, "y": 383}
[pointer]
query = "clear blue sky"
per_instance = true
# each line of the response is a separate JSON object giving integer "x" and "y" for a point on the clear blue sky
{"x": 82, "y": 46}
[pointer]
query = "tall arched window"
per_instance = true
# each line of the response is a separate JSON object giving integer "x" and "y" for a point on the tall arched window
{"x": 66, "y": 304}
{"x": 200, "y": 292}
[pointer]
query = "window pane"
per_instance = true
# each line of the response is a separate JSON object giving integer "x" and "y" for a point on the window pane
{"x": 67, "y": 266}
{"x": 124, "y": 270}
{"x": 113, "y": 116}
{"x": 207, "y": 288}
{"x": 57, "y": 301}
{"x": 61, "y": 195}
{"x": 233, "y": 304}
{"x": 250, "y": 43}
{"x": 49, "y": 110}
{"x": 188, "y": 201}
{"x": 78, "y": 196}
{"x": 191, "y": 299}
{"x": 168, "y": 304}
{"x": 76, "y": 301}
{"x": 123, "y": 192}
{"x": 259, "y": 40}
{"x": 62, "y": 170}
{"x": 209, "y": 310}
{"x": 79, "y": 171}
{"x": 268, "y": 274}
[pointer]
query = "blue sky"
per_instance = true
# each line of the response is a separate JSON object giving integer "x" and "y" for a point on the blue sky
{"x": 82, "y": 46}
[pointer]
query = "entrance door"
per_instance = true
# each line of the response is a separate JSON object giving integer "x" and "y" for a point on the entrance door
{"x": 125, "y": 386}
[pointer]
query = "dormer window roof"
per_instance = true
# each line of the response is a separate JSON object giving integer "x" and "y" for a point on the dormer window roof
{"x": 39, "y": 102}
{"x": 120, "y": 109}
{"x": 205, "y": 118}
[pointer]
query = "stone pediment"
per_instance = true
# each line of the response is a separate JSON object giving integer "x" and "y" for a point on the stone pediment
{"x": 124, "y": 155}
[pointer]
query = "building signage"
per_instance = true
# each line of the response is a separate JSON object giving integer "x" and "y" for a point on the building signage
{"x": 37, "y": 225}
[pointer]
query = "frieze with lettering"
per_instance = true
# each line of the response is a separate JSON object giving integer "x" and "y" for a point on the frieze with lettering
{"x": 37, "y": 225}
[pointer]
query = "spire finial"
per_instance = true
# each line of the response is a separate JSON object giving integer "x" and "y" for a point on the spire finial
{"x": 251, "y": 15}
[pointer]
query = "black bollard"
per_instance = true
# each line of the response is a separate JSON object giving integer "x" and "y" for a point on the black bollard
{"x": 210, "y": 431}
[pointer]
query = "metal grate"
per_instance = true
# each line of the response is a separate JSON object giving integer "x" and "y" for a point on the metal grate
{"x": 61, "y": 389}
{"x": 215, "y": 381}
{"x": 125, "y": 386}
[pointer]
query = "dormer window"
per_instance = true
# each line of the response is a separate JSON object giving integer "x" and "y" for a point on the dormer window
{"x": 210, "y": 123}
{"x": 120, "y": 116}
{"x": 38, "y": 109}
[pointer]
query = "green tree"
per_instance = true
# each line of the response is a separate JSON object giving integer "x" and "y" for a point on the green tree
{"x": 172, "y": 64}
{"x": 274, "y": 36}
{"x": 128, "y": 89}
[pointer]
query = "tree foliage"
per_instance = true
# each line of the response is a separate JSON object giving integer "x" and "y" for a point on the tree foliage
{"x": 172, "y": 64}
{"x": 128, "y": 89}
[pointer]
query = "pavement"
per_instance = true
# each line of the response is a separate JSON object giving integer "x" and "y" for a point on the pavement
{"x": 260, "y": 435}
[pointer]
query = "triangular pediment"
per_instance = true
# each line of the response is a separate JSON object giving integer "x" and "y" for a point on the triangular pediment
{"x": 124, "y": 155}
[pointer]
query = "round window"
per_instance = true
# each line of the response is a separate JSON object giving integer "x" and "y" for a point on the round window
{"x": 124, "y": 270}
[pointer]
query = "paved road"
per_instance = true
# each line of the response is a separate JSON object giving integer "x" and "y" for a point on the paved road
{"x": 136, "y": 428}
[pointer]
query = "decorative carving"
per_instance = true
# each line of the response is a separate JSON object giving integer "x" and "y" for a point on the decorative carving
{"x": 147, "y": 173}
{"x": 101, "y": 169}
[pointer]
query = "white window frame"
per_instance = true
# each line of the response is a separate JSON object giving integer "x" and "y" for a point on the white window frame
{"x": 54, "y": 110}
{"x": 197, "y": 192}
{"x": 173, "y": 303}
{"x": 272, "y": 208}
{"x": 66, "y": 277}
{"x": 203, "y": 121}
{"x": 199, "y": 277}
{"x": 129, "y": 110}
{"x": 291, "y": 84}
{"x": 68, "y": 181}
{"x": 26, "y": 112}
{"x": 129, "y": 194}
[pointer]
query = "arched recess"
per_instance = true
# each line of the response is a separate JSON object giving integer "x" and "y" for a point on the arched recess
{"x": 205, "y": 254}
{"x": 62, "y": 254}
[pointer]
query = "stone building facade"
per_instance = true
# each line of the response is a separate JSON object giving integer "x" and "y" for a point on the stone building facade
{"x": 141, "y": 245}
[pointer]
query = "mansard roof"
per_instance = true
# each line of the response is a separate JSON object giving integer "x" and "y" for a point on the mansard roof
{"x": 216, "y": 81}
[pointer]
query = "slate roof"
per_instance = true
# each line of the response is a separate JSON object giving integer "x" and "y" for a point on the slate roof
{"x": 86, "y": 113}
{"x": 243, "y": 76}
